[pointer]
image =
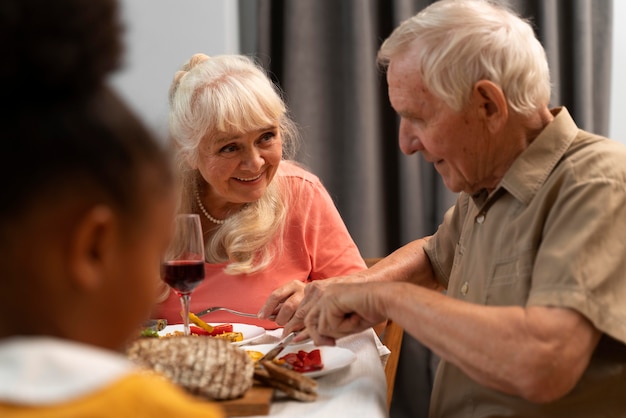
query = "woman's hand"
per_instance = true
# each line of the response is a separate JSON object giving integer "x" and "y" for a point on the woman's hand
{"x": 283, "y": 302}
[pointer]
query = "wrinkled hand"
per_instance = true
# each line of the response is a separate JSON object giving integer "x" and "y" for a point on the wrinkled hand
{"x": 312, "y": 292}
{"x": 292, "y": 301}
{"x": 283, "y": 302}
{"x": 342, "y": 309}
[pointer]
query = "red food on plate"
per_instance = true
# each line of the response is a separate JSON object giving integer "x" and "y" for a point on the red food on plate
{"x": 304, "y": 361}
{"x": 217, "y": 330}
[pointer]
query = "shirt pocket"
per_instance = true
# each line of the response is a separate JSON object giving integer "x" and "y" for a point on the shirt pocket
{"x": 511, "y": 279}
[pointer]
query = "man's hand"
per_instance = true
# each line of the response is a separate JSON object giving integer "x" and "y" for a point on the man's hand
{"x": 312, "y": 293}
{"x": 344, "y": 309}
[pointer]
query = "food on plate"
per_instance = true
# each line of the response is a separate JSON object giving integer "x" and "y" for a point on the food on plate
{"x": 303, "y": 361}
{"x": 221, "y": 329}
{"x": 199, "y": 322}
{"x": 290, "y": 380}
{"x": 231, "y": 336}
{"x": 293, "y": 384}
{"x": 210, "y": 367}
{"x": 149, "y": 333}
{"x": 155, "y": 324}
{"x": 254, "y": 355}
{"x": 152, "y": 327}
{"x": 217, "y": 330}
{"x": 224, "y": 331}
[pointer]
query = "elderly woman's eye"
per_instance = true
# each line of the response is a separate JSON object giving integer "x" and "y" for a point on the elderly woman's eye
{"x": 268, "y": 136}
{"x": 228, "y": 148}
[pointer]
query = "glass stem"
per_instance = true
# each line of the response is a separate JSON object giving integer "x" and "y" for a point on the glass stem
{"x": 184, "y": 300}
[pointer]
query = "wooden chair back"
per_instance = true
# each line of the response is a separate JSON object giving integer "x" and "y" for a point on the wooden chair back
{"x": 390, "y": 333}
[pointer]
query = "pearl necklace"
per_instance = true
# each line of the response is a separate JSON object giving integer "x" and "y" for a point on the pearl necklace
{"x": 206, "y": 212}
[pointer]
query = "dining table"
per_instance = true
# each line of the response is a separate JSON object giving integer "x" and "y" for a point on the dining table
{"x": 357, "y": 390}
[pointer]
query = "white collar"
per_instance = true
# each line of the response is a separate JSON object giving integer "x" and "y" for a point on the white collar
{"x": 43, "y": 370}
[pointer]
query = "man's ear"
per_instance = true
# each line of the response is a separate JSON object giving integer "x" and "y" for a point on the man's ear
{"x": 92, "y": 246}
{"x": 492, "y": 104}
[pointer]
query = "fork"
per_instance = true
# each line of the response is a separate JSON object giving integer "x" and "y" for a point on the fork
{"x": 221, "y": 308}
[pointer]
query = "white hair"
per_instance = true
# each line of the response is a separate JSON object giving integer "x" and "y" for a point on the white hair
{"x": 460, "y": 42}
{"x": 229, "y": 94}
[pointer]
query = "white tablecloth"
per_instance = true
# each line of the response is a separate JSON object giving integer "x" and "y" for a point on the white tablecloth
{"x": 359, "y": 390}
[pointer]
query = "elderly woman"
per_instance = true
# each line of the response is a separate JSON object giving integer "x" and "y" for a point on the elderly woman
{"x": 268, "y": 223}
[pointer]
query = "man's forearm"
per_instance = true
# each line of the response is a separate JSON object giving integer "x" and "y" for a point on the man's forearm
{"x": 408, "y": 263}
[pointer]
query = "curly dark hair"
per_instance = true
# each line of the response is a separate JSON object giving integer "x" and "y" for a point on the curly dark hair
{"x": 56, "y": 49}
{"x": 63, "y": 131}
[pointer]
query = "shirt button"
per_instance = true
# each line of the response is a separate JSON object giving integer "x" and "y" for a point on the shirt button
{"x": 464, "y": 288}
{"x": 480, "y": 218}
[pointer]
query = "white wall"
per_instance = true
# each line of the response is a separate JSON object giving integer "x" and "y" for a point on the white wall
{"x": 617, "y": 116}
{"x": 160, "y": 36}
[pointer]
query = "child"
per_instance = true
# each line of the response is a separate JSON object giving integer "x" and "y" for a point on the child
{"x": 85, "y": 214}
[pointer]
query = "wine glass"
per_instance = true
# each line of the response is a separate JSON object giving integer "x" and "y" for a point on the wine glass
{"x": 183, "y": 263}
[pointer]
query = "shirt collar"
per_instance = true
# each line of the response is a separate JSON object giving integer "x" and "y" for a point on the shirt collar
{"x": 44, "y": 370}
{"x": 532, "y": 167}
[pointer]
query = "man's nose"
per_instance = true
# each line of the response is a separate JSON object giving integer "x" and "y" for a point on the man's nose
{"x": 408, "y": 140}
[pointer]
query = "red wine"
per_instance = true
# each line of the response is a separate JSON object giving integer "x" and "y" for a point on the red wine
{"x": 183, "y": 275}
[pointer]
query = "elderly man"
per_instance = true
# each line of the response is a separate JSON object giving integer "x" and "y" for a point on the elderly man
{"x": 521, "y": 290}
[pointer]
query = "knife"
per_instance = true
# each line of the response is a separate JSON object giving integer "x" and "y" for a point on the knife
{"x": 271, "y": 355}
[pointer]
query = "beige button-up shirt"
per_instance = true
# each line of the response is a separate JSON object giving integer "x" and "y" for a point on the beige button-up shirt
{"x": 553, "y": 234}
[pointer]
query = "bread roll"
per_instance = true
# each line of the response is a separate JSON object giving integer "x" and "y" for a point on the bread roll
{"x": 292, "y": 383}
{"x": 210, "y": 367}
{"x": 290, "y": 377}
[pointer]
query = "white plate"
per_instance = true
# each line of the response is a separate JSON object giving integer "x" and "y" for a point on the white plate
{"x": 333, "y": 358}
{"x": 250, "y": 332}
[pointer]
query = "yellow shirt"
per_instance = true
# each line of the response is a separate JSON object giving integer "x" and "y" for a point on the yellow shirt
{"x": 552, "y": 234}
{"x": 135, "y": 395}
{"x": 48, "y": 378}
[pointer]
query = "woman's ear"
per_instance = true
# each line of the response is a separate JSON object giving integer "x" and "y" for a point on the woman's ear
{"x": 491, "y": 103}
{"x": 92, "y": 247}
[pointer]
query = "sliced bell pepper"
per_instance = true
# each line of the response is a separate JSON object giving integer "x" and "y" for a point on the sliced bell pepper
{"x": 216, "y": 330}
{"x": 303, "y": 361}
{"x": 199, "y": 322}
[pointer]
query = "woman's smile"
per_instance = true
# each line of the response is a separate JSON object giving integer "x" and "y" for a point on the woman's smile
{"x": 249, "y": 179}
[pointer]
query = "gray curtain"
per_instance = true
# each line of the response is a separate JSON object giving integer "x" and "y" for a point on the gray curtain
{"x": 322, "y": 54}
{"x": 577, "y": 36}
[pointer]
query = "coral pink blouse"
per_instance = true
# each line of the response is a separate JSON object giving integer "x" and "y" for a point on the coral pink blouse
{"x": 316, "y": 245}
